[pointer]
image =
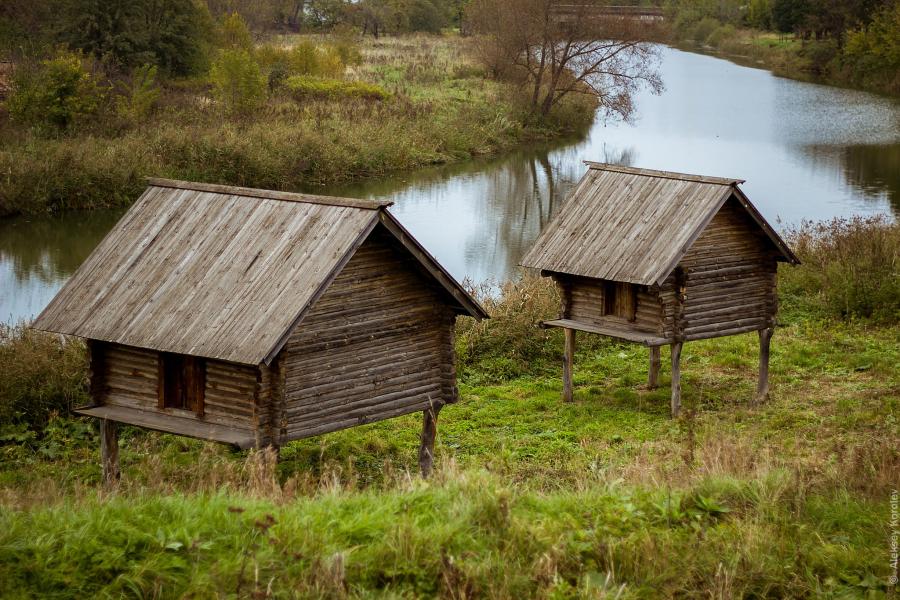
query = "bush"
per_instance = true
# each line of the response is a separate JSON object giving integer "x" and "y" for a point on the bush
{"x": 238, "y": 81}
{"x": 315, "y": 87}
{"x": 511, "y": 343}
{"x": 139, "y": 96}
{"x": 57, "y": 93}
{"x": 234, "y": 33}
{"x": 704, "y": 28}
{"x": 40, "y": 374}
{"x": 722, "y": 34}
{"x": 850, "y": 267}
{"x": 303, "y": 59}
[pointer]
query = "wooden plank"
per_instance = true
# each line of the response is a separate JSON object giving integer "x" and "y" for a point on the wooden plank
{"x": 169, "y": 424}
{"x": 627, "y": 335}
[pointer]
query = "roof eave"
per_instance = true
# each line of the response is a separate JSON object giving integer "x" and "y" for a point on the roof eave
{"x": 453, "y": 287}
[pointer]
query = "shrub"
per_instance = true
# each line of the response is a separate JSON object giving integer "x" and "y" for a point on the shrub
{"x": 510, "y": 343}
{"x": 722, "y": 34}
{"x": 315, "y": 87}
{"x": 345, "y": 42}
{"x": 234, "y": 33}
{"x": 57, "y": 93}
{"x": 40, "y": 374}
{"x": 140, "y": 95}
{"x": 851, "y": 267}
{"x": 704, "y": 28}
{"x": 303, "y": 59}
{"x": 238, "y": 81}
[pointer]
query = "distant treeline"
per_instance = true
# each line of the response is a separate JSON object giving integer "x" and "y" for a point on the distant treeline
{"x": 173, "y": 31}
{"x": 854, "y": 42}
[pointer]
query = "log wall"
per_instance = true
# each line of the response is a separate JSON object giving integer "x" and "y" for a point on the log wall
{"x": 130, "y": 379}
{"x": 584, "y": 301}
{"x": 729, "y": 277}
{"x": 377, "y": 344}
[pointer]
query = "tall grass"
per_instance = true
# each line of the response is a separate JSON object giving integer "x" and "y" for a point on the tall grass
{"x": 851, "y": 267}
{"x": 40, "y": 374}
{"x": 603, "y": 497}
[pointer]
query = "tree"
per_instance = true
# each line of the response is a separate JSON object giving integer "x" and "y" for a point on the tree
{"x": 173, "y": 34}
{"x": 555, "y": 52}
{"x": 239, "y": 84}
{"x": 57, "y": 93}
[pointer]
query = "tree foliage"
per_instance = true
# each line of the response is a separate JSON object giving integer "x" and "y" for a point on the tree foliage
{"x": 238, "y": 81}
{"x": 605, "y": 57}
{"x": 56, "y": 93}
{"x": 173, "y": 34}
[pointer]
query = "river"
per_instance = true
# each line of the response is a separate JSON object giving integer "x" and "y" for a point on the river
{"x": 806, "y": 151}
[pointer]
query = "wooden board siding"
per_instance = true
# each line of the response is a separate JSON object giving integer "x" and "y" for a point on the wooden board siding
{"x": 377, "y": 344}
{"x": 730, "y": 277}
{"x": 130, "y": 380}
{"x": 587, "y": 305}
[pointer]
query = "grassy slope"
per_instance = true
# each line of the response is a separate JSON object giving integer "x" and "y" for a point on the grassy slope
{"x": 443, "y": 109}
{"x": 533, "y": 497}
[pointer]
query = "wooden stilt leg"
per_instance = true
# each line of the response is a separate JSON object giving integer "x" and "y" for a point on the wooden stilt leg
{"x": 676, "y": 379}
{"x": 762, "y": 388}
{"x": 568, "y": 360}
{"x": 653, "y": 376}
{"x": 426, "y": 445}
{"x": 109, "y": 452}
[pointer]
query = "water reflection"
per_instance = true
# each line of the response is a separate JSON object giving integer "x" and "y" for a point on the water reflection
{"x": 38, "y": 254}
{"x": 807, "y": 152}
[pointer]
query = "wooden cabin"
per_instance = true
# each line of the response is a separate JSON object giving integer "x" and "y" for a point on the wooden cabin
{"x": 658, "y": 258}
{"x": 255, "y": 317}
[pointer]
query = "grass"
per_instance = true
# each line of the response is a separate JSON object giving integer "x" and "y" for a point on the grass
{"x": 602, "y": 497}
{"x": 441, "y": 109}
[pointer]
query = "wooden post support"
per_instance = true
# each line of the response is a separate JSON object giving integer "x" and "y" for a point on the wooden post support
{"x": 762, "y": 388}
{"x": 653, "y": 375}
{"x": 426, "y": 445}
{"x": 568, "y": 360}
{"x": 676, "y": 379}
{"x": 109, "y": 452}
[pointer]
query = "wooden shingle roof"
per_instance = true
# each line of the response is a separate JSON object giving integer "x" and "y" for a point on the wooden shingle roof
{"x": 220, "y": 272}
{"x": 635, "y": 225}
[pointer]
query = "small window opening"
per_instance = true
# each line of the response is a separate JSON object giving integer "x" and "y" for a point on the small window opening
{"x": 620, "y": 300}
{"x": 182, "y": 381}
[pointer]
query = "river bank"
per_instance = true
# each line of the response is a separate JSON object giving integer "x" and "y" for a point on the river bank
{"x": 786, "y": 55}
{"x": 440, "y": 108}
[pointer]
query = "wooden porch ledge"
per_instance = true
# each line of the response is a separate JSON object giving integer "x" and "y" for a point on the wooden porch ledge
{"x": 170, "y": 424}
{"x": 647, "y": 339}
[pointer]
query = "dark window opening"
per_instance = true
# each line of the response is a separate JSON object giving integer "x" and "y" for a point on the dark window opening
{"x": 620, "y": 300}
{"x": 182, "y": 381}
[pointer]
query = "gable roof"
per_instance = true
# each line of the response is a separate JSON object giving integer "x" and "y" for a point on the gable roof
{"x": 635, "y": 225}
{"x": 220, "y": 272}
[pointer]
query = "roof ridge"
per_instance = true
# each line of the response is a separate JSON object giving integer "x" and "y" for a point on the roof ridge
{"x": 269, "y": 194}
{"x": 663, "y": 174}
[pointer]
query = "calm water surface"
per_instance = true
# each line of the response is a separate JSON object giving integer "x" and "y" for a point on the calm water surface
{"x": 807, "y": 152}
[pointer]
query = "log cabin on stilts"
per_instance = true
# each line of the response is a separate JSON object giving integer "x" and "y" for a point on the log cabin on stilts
{"x": 660, "y": 258}
{"x": 256, "y": 317}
